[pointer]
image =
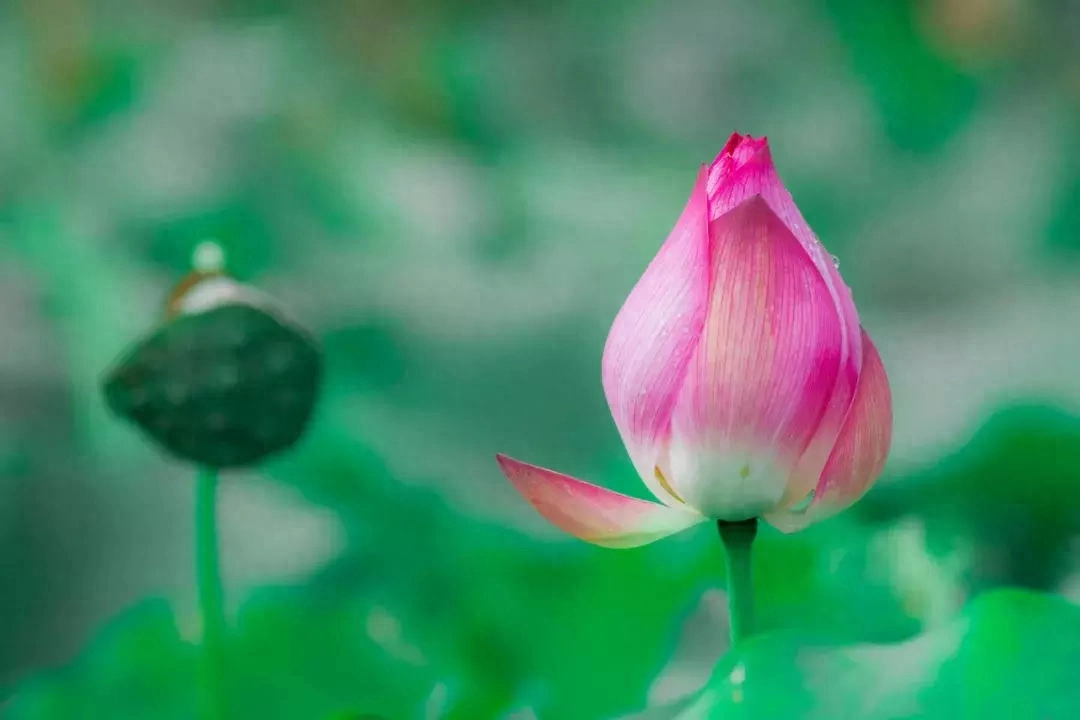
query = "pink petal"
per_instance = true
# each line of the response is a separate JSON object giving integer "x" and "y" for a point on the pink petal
{"x": 859, "y": 455}
{"x": 593, "y": 513}
{"x": 764, "y": 372}
{"x": 744, "y": 168}
{"x": 653, "y": 338}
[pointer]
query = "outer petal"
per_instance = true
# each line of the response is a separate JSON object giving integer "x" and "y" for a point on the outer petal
{"x": 763, "y": 373}
{"x": 859, "y": 455}
{"x": 592, "y": 513}
{"x": 653, "y": 339}
{"x": 743, "y": 169}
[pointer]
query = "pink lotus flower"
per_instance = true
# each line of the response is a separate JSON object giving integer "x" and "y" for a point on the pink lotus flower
{"x": 737, "y": 372}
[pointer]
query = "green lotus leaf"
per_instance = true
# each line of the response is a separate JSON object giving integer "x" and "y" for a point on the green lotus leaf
{"x": 1012, "y": 654}
{"x": 288, "y": 656}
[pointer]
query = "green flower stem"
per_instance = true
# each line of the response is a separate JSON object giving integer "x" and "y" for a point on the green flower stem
{"x": 208, "y": 574}
{"x": 738, "y": 537}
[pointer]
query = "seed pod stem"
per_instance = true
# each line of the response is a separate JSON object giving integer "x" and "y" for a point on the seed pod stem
{"x": 212, "y": 704}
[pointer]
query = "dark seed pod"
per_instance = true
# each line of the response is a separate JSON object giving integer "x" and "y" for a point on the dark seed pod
{"x": 227, "y": 380}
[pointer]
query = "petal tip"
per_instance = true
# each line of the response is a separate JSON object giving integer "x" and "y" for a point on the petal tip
{"x": 740, "y": 149}
{"x": 518, "y": 472}
{"x": 733, "y": 142}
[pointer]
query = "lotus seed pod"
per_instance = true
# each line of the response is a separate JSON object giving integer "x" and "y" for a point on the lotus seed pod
{"x": 227, "y": 381}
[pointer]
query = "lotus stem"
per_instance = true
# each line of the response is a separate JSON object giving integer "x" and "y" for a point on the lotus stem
{"x": 738, "y": 538}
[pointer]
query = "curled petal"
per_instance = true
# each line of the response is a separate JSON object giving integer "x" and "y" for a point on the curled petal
{"x": 593, "y": 513}
{"x": 744, "y": 168}
{"x": 653, "y": 338}
{"x": 763, "y": 373}
{"x": 859, "y": 455}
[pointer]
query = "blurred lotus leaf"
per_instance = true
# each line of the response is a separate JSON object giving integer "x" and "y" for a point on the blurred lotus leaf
{"x": 225, "y": 387}
{"x": 289, "y": 657}
{"x": 1004, "y": 492}
{"x": 1011, "y": 654}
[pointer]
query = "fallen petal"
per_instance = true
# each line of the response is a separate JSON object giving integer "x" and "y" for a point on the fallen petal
{"x": 592, "y": 513}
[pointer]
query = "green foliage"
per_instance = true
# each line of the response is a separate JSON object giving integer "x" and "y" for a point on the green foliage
{"x": 923, "y": 98}
{"x": 287, "y": 659}
{"x": 1003, "y": 493}
{"x": 1063, "y": 235}
{"x": 494, "y": 617}
{"x": 137, "y": 668}
{"x": 1011, "y": 654}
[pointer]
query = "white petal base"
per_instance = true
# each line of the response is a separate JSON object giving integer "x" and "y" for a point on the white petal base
{"x": 728, "y": 485}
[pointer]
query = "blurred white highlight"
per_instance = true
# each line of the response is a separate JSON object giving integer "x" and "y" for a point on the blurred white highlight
{"x": 208, "y": 257}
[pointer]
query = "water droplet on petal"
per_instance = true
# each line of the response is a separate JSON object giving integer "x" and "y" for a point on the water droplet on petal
{"x": 835, "y": 262}
{"x": 803, "y": 505}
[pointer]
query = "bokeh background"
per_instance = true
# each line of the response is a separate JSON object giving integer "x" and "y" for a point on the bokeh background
{"x": 456, "y": 197}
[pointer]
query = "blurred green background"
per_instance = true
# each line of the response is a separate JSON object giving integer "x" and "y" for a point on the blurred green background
{"x": 456, "y": 197}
